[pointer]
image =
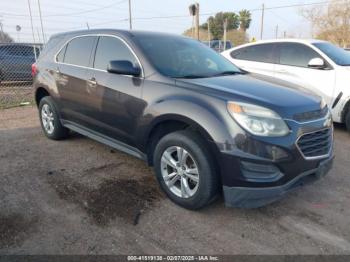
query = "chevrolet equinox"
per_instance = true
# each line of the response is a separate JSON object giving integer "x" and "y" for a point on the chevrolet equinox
{"x": 203, "y": 124}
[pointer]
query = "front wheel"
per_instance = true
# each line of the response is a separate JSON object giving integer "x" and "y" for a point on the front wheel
{"x": 185, "y": 169}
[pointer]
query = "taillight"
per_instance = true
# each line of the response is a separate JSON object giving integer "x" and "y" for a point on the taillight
{"x": 34, "y": 70}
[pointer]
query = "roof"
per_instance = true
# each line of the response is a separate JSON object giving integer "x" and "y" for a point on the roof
{"x": 294, "y": 40}
{"x": 126, "y": 33}
{"x": 283, "y": 40}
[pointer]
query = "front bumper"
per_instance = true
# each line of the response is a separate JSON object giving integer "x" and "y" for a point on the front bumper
{"x": 254, "y": 197}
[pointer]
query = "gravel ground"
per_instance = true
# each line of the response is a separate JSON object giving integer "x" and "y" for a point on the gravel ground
{"x": 14, "y": 93}
{"x": 81, "y": 197}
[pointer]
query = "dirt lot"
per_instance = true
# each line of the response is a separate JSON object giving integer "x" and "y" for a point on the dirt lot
{"x": 81, "y": 197}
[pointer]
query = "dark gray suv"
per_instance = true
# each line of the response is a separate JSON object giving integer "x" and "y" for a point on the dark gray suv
{"x": 203, "y": 124}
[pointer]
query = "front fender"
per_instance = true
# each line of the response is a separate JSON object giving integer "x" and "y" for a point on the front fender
{"x": 205, "y": 116}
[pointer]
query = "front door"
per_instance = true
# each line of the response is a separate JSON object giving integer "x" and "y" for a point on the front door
{"x": 116, "y": 98}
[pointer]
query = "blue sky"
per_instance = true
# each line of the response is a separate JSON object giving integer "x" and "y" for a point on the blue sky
{"x": 64, "y": 15}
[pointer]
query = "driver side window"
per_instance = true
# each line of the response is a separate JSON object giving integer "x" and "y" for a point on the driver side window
{"x": 111, "y": 48}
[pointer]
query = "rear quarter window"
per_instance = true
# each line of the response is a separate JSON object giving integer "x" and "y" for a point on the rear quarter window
{"x": 257, "y": 53}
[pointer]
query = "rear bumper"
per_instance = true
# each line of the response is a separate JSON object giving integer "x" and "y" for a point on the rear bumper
{"x": 254, "y": 197}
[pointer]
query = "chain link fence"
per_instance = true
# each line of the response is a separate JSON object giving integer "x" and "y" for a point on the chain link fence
{"x": 16, "y": 61}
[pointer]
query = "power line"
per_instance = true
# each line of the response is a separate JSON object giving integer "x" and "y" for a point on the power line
{"x": 69, "y": 14}
{"x": 170, "y": 16}
{"x": 89, "y": 11}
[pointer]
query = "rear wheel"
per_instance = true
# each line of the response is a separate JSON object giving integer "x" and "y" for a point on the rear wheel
{"x": 185, "y": 169}
{"x": 50, "y": 121}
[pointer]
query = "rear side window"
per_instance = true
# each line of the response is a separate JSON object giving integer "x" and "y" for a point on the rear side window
{"x": 78, "y": 51}
{"x": 257, "y": 53}
{"x": 111, "y": 48}
{"x": 294, "y": 54}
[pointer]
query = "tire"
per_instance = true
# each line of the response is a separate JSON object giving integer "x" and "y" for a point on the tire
{"x": 195, "y": 194}
{"x": 347, "y": 120}
{"x": 56, "y": 131}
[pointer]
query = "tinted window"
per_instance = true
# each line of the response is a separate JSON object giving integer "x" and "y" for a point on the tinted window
{"x": 60, "y": 56}
{"x": 259, "y": 53}
{"x": 296, "y": 54}
{"x": 111, "y": 48}
{"x": 78, "y": 51}
{"x": 337, "y": 54}
{"x": 183, "y": 57}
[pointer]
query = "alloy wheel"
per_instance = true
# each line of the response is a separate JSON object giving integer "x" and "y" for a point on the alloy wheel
{"x": 180, "y": 172}
{"x": 47, "y": 119}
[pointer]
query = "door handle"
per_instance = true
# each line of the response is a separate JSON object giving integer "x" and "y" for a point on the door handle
{"x": 92, "y": 81}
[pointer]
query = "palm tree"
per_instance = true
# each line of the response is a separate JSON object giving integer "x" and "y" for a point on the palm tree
{"x": 245, "y": 18}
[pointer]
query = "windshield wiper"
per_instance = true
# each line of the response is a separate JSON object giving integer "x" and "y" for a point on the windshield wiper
{"x": 192, "y": 76}
{"x": 226, "y": 73}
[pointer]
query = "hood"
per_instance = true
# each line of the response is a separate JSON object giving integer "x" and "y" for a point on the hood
{"x": 283, "y": 97}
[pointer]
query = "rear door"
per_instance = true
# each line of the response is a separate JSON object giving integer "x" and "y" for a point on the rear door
{"x": 259, "y": 58}
{"x": 71, "y": 79}
{"x": 293, "y": 60}
{"x": 116, "y": 99}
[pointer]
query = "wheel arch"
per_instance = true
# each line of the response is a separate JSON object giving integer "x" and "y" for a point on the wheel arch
{"x": 40, "y": 93}
{"x": 169, "y": 123}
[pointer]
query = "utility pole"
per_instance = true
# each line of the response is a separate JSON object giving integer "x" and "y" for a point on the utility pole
{"x": 209, "y": 32}
{"x": 41, "y": 22}
{"x": 37, "y": 30}
{"x": 225, "y": 33}
{"x": 194, "y": 12}
{"x": 197, "y": 21}
{"x": 276, "y": 31}
{"x": 31, "y": 23}
{"x": 262, "y": 21}
{"x": 18, "y": 29}
{"x": 1, "y": 28}
{"x": 130, "y": 19}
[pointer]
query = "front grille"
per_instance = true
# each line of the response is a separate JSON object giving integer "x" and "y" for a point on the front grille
{"x": 312, "y": 115}
{"x": 316, "y": 144}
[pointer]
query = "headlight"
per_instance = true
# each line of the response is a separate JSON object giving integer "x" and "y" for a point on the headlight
{"x": 258, "y": 120}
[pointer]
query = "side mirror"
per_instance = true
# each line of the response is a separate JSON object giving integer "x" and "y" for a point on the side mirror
{"x": 317, "y": 63}
{"x": 123, "y": 67}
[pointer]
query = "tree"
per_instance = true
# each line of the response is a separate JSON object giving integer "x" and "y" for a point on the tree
{"x": 234, "y": 21}
{"x": 5, "y": 38}
{"x": 217, "y": 23}
{"x": 330, "y": 23}
{"x": 245, "y": 18}
{"x": 237, "y": 37}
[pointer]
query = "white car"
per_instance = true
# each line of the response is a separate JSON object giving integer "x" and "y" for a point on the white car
{"x": 316, "y": 65}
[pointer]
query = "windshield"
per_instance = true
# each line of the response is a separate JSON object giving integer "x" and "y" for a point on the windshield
{"x": 337, "y": 54}
{"x": 181, "y": 57}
